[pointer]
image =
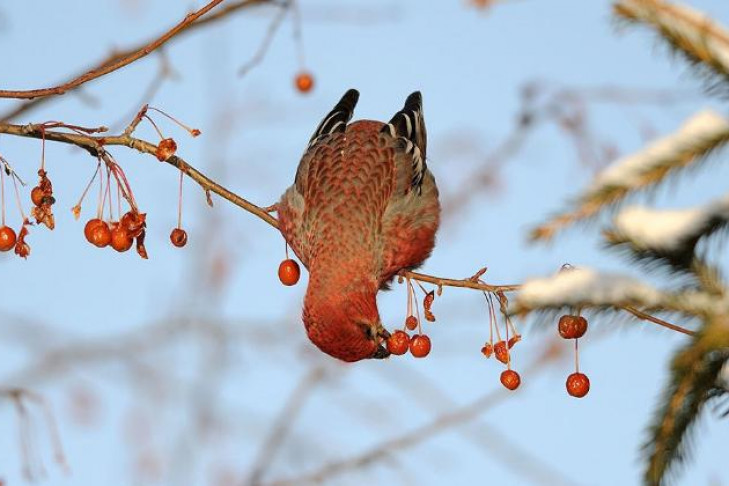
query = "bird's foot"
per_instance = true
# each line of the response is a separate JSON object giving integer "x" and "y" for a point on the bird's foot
{"x": 273, "y": 208}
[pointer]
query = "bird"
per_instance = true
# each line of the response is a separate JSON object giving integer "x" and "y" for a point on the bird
{"x": 363, "y": 207}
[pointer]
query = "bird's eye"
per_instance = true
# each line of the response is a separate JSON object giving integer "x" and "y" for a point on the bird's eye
{"x": 368, "y": 330}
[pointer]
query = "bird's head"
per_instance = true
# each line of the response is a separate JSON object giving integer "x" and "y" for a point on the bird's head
{"x": 346, "y": 327}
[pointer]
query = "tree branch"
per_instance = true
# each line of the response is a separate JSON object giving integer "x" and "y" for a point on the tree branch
{"x": 117, "y": 57}
{"x": 117, "y": 62}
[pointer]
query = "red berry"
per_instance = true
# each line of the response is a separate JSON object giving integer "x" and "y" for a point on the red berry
{"x": 487, "y": 350}
{"x": 578, "y": 384}
{"x": 398, "y": 343}
{"x": 510, "y": 379}
{"x": 89, "y": 228}
{"x": 100, "y": 234}
{"x": 420, "y": 345}
{"x": 304, "y": 82}
{"x": 501, "y": 352}
{"x": 36, "y": 195}
{"x": 121, "y": 240}
{"x": 178, "y": 237}
{"x": 7, "y": 238}
{"x": 288, "y": 272}
{"x": 411, "y": 322}
{"x": 572, "y": 327}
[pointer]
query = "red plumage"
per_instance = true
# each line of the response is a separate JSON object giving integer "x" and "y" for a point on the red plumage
{"x": 363, "y": 207}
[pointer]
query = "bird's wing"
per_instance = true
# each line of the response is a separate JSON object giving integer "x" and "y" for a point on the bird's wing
{"x": 412, "y": 215}
{"x": 337, "y": 119}
{"x": 408, "y": 124}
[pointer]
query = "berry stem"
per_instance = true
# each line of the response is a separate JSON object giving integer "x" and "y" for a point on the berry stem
{"x": 17, "y": 198}
{"x": 179, "y": 207}
{"x": 108, "y": 194}
{"x": 99, "y": 203}
{"x": 159, "y": 132}
{"x": 43, "y": 147}
{"x": 88, "y": 186}
{"x": 118, "y": 200}
{"x": 2, "y": 190}
{"x": 296, "y": 25}
{"x": 577, "y": 357}
{"x": 286, "y": 246}
{"x": 178, "y": 122}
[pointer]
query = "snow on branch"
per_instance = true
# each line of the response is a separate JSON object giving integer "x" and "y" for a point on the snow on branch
{"x": 702, "y": 42}
{"x": 670, "y": 234}
{"x": 698, "y": 137}
{"x": 584, "y": 287}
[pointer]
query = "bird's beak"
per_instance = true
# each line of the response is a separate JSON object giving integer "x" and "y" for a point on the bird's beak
{"x": 381, "y": 353}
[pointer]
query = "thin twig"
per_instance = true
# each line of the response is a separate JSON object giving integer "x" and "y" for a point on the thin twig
{"x": 220, "y": 13}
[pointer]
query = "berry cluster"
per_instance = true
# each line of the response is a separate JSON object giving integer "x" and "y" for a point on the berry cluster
{"x": 574, "y": 327}
{"x": 501, "y": 349}
{"x": 418, "y": 344}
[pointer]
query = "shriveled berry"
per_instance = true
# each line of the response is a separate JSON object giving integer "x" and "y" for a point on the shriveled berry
{"x": 100, "y": 234}
{"x": 398, "y": 343}
{"x": 289, "y": 272}
{"x": 420, "y": 345}
{"x": 36, "y": 195}
{"x": 578, "y": 384}
{"x": 121, "y": 240}
{"x": 165, "y": 149}
{"x": 513, "y": 340}
{"x": 411, "y": 322}
{"x": 501, "y": 351}
{"x": 510, "y": 379}
{"x": 304, "y": 82}
{"x": 178, "y": 237}
{"x": 134, "y": 222}
{"x": 487, "y": 350}
{"x": 7, "y": 238}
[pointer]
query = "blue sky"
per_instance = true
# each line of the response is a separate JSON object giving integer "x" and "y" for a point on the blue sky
{"x": 471, "y": 66}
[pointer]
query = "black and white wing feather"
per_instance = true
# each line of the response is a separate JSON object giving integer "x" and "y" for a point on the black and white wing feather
{"x": 337, "y": 119}
{"x": 409, "y": 125}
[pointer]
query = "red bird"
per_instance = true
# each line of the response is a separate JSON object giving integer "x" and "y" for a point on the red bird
{"x": 363, "y": 206}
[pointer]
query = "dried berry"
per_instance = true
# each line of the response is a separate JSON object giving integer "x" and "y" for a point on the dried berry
{"x": 501, "y": 351}
{"x": 398, "y": 343}
{"x": 487, "y": 350}
{"x": 7, "y": 238}
{"x": 22, "y": 249}
{"x": 513, "y": 340}
{"x": 165, "y": 149}
{"x": 141, "y": 249}
{"x": 134, "y": 222}
{"x": 510, "y": 379}
{"x": 304, "y": 82}
{"x": 288, "y": 272}
{"x": 578, "y": 384}
{"x": 420, "y": 345}
{"x": 178, "y": 237}
{"x": 411, "y": 322}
